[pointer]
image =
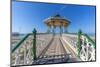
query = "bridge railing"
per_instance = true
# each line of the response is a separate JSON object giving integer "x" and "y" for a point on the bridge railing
{"x": 22, "y": 52}
{"x": 82, "y": 45}
{"x": 86, "y": 47}
{"x": 29, "y": 48}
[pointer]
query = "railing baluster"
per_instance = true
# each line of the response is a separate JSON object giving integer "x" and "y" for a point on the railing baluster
{"x": 17, "y": 57}
{"x": 25, "y": 62}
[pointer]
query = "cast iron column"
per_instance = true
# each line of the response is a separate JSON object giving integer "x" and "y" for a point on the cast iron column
{"x": 34, "y": 44}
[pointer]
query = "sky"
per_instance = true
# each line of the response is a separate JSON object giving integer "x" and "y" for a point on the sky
{"x": 29, "y": 15}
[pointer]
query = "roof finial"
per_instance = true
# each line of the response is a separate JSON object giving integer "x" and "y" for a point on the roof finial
{"x": 57, "y": 15}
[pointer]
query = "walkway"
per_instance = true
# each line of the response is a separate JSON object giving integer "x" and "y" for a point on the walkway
{"x": 55, "y": 53}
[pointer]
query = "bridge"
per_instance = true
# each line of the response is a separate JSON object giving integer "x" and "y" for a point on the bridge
{"x": 43, "y": 48}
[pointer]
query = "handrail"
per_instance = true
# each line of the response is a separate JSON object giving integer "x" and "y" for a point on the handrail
{"x": 20, "y": 43}
{"x": 90, "y": 40}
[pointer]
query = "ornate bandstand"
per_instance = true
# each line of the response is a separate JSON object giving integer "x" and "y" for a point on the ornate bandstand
{"x": 57, "y": 21}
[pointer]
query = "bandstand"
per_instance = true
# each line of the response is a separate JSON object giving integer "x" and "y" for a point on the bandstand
{"x": 57, "y": 21}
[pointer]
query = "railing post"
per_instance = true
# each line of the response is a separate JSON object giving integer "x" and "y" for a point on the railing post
{"x": 79, "y": 42}
{"x": 34, "y": 43}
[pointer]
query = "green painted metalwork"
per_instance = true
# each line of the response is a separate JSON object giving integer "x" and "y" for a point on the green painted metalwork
{"x": 90, "y": 40}
{"x": 79, "y": 42}
{"x": 34, "y": 43}
{"x": 19, "y": 44}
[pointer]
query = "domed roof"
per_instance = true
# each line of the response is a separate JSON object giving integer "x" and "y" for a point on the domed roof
{"x": 56, "y": 17}
{"x": 57, "y": 20}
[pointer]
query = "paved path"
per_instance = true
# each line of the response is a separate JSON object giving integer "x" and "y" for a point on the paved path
{"x": 56, "y": 47}
{"x": 55, "y": 52}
